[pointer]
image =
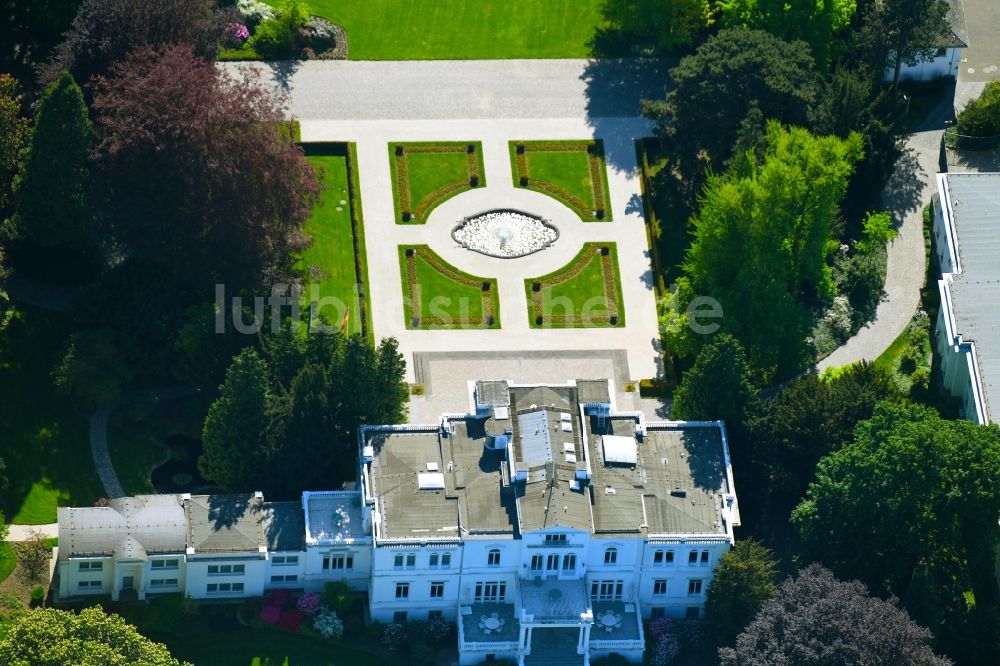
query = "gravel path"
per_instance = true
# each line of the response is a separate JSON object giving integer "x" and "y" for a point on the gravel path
{"x": 99, "y": 431}
{"x": 25, "y": 532}
{"x": 909, "y": 189}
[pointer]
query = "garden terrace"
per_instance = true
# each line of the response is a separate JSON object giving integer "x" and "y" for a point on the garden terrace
{"x": 572, "y": 172}
{"x": 586, "y": 292}
{"x": 437, "y": 295}
{"x": 425, "y": 175}
{"x": 331, "y": 267}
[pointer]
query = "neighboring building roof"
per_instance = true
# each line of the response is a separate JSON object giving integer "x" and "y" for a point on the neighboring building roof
{"x": 333, "y": 517}
{"x": 493, "y": 393}
{"x": 225, "y": 523}
{"x": 593, "y": 391}
{"x": 958, "y": 36}
{"x": 284, "y": 527}
{"x": 129, "y": 527}
{"x": 974, "y": 208}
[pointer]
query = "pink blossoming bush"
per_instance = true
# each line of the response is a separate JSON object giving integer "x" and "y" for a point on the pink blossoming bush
{"x": 291, "y": 620}
{"x": 277, "y": 598}
{"x": 270, "y": 614}
{"x": 235, "y": 34}
{"x": 310, "y": 603}
{"x": 666, "y": 650}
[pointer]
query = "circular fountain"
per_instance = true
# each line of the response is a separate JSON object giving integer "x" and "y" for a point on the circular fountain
{"x": 505, "y": 234}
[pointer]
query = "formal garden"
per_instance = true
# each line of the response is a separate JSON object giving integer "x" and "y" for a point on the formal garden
{"x": 572, "y": 172}
{"x": 585, "y": 293}
{"x": 436, "y": 295}
{"x": 425, "y": 175}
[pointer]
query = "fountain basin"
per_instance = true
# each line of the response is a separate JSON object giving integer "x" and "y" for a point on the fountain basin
{"x": 504, "y": 233}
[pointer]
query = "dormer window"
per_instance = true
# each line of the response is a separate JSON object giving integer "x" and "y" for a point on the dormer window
{"x": 554, "y": 539}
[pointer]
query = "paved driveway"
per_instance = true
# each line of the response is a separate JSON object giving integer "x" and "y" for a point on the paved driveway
{"x": 981, "y": 61}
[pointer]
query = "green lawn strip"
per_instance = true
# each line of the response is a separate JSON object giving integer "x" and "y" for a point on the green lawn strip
{"x": 447, "y": 297}
{"x": 8, "y": 560}
{"x": 248, "y": 647}
{"x": 426, "y": 174}
{"x": 575, "y": 296}
{"x": 567, "y": 172}
{"x": 463, "y": 30}
{"x": 45, "y": 441}
{"x": 328, "y": 265}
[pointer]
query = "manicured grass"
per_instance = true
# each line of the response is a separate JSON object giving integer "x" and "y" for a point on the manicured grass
{"x": 8, "y": 560}
{"x": 577, "y": 295}
{"x": 45, "y": 441}
{"x": 446, "y": 296}
{"x": 427, "y": 174}
{"x": 328, "y": 264}
{"x": 461, "y": 29}
{"x": 565, "y": 171}
{"x": 246, "y": 647}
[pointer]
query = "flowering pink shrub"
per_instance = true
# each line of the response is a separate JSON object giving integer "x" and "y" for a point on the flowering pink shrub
{"x": 277, "y": 598}
{"x": 658, "y": 627}
{"x": 665, "y": 651}
{"x": 310, "y": 603}
{"x": 270, "y": 614}
{"x": 235, "y": 34}
{"x": 292, "y": 620}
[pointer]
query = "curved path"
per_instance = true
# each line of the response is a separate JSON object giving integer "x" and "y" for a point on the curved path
{"x": 99, "y": 431}
{"x": 909, "y": 189}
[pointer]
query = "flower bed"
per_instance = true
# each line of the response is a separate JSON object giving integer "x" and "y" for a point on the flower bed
{"x": 598, "y": 208}
{"x": 411, "y": 210}
{"x": 280, "y": 610}
{"x": 462, "y": 286}
{"x": 504, "y": 234}
{"x": 539, "y": 291}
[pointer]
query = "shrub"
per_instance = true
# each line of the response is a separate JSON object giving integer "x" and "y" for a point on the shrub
{"x": 273, "y": 38}
{"x": 254, "y": 12}
{"x": 235, "y": 34}
{"x": 421, "y": 654}
{"x": 394, "y": 636}
{"x": 838, "y": 317}
{"x": 270, "y": 614}
{"x": 665, "y": 650}
{"x": 437, "y": 630}
{"x": 292, "y": 620}
{"x": 37, "y": 595}
{"x": 328, "y": 624}
{"x": 338, "y": 596}
{"x": 277, "y": 598}
{"x": 310, "y": 603}
{"x": 981, "y": 117}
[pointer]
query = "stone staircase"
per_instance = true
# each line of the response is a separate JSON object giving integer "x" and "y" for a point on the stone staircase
{"x": 554, "y": 647}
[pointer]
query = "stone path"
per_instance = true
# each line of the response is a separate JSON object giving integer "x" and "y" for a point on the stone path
{"x": 99, "y": 431}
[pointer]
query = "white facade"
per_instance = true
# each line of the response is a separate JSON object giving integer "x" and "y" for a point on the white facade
{"x": 943, "y": 64}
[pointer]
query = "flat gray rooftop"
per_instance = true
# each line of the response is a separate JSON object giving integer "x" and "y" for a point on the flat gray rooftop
{"x": 975, "y": 206}
{"x": 335, "y": 517}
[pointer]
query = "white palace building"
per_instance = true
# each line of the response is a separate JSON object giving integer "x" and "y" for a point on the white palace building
{"x": 543, "y": 522}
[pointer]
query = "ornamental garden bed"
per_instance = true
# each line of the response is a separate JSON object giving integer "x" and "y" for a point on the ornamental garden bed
{"x": 425, "y": 175}
{"x": 335, "y": 271}
{"x": 585, "y": 293}
{"x": 573, "y": 172}
{"x": 437, "y": 295}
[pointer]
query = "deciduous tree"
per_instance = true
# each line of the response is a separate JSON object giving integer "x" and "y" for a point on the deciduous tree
{"x": 661, "y": 24}
{"x": 197, "y": 175}
{"x": 744, "y": 580}
{"x": 88, "y": 638}
{"x": 815, "y": 619}
{"x": 52, "y": 190}
{"x": 13, "y": 135}
{"x": 898, "y": 32}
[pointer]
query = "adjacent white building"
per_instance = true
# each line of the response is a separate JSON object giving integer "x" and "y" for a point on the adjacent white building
{"x": 943, "y": 57}
{"x": 967, "y": 238}
{"x": 543, "y": 522}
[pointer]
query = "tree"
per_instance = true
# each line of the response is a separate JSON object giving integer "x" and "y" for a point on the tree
{"x": 89, "y": 638}
{"x": 718, "y": 387}
{"x": 52, "y": 190}
{"x": 663, "y": 25}
{"x": 716, "y": 87}
{"x": 105, "y": 32}
{"x": 744, "y": 580}
{"x": 981, "y": 116}
{"x": 29, "y": 30}
{"x": 816, "y": 619}
{"x": 895, "y": 32}
{"x": 197, "y": 173}
{"x": 909, "y": 507}
{"x": 233, "y": 436}
{"x": 762, "y": 240}
{"x": 14, "y": 131}
{"x": 807, "y": 420}
{"x": 92, "y": 372}
{"x": 811, "y": 21}
{"x": 33, "y": 556}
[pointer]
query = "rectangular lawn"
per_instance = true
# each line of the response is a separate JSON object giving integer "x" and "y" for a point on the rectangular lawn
{"x": 463, "y": 29}
{"x": 569, "y": 170}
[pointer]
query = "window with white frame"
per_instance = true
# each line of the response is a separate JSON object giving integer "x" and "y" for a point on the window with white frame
{"x": 340, "y": 562}
{"x": 437, "y": 590}
{"x": 225, "y": 588}
{"x": 553, "y": 539}
{"x": 226, "y": 569}
{"x": 491, "y": 591}
{"x": 537, "y": 561}
{"x": 402, "y": 590}
{"x": 434, "y": 560}
{"x": 89, "y": 584}
{"x": 569, "y": 562}
{"x": 161, "y": 565}
{"x": 704, "y": 557}
{"x": 493, "y": 558}
{"x": 663, "y": 558}
{"x": 552, "y": 563}
{"x": 669, "y": 557}
{"x": 694, "y": 587}
{"x": 163, "y": 582}
{"x": 91, "y": 566}
{"x": 611, "y": 556}
{"x": 397, "y": 562}
{"x": 693, "y": 557}
{"x": 285, "y": 560}
{"x": 411, "y": 561}
{"x": 604, "y": 590}
{"x": 660, "y": 587}
{"x": 286, "y": 578}
{"x": 445, "y": 560}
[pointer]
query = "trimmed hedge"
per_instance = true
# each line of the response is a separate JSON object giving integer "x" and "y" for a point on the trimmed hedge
{"x": 595, "y": 158}
{"x": 578, "y": 265}
{"x": 410, "y": 211}
{"x": 487, "y": 289}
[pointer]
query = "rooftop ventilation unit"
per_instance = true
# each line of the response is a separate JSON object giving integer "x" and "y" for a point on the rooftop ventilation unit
{"x": 432, "y": 466}
{"x": 501, "y": 413}
{"x": 565, "y": 417}
{"x": 574, "y": 485}
{"x": 610, "y": 491}
{"x": 430, "y": 481}
{"x": 619, "y": 450}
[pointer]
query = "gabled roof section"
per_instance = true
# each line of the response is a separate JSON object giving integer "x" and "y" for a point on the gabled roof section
{"x": 226, "y": 523}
